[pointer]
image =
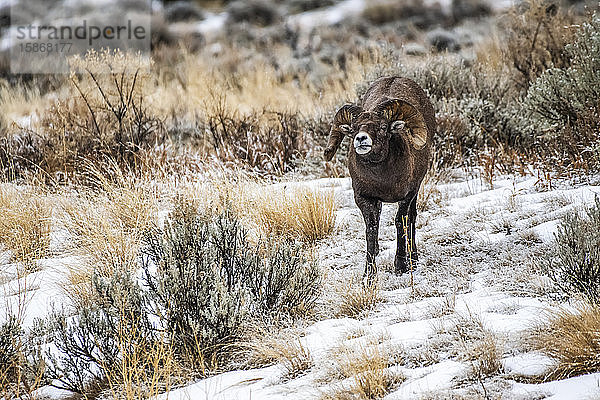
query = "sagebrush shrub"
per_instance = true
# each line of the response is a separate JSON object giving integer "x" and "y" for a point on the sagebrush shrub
{"x": 476, "y": 111}
{"x": 93, "y": 342}
{"x": 203, "y": 283}
{"x": 567, "y": 98}
{"x": 574, "y": 265}
{"x": 20, "y": 374}
{"x": 210, "y": 280}
{"x": 537, "y": 34}
{"x": 197, "y": 288}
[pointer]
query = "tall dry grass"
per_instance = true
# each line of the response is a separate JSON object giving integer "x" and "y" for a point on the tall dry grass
{"x": 146, "y": 369}
{"x": 366, "y": 368}
{"x": 105, "y": 227}
{"x": 237, "y": 81}
{"x": 19, "y": 101}
{"x": 296, "y": 212}
{"x": 25, "y": 222}
{"x": 572, "y": 338}
{"x": 283, "y": 211}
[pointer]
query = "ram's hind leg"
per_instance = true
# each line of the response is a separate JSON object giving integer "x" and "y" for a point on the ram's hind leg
{"x": 371, "y": 210}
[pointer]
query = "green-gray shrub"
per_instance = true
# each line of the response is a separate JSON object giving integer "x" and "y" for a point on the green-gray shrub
{"x": 91, "y": 342}
{"x": 567, "y": 98}
{"x": 197, "y": 289}
{"x": 20, "y": 368}
{"x": 203, "y": 283}
{"x": 575, "y": 263}
{"x": 210, "y": 281}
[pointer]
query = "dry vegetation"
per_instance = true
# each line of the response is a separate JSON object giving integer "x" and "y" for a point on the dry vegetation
{"x": 25, "y": 223}
{"x": 365, "y": 370}
{"x": 284, "y": 348}
{"x": 296, "y": 212}
{"x": 101, "y": 156}
{"x": 356, "y": 299}
{"x": 571, "y": 338}
{"x": 104, "y": 227}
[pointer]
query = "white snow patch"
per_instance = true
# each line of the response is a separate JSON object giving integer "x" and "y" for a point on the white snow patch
{"x": 580, "y": 387}
{"x": 528, "y": 364}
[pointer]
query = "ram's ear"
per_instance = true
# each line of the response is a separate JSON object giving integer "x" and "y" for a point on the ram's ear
{"x": 342, "y": 125}
{"x": 399, "y": 110}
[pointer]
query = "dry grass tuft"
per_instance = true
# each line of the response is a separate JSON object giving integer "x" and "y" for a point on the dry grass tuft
{"x": 106, "y": 229}
{"x": 477, "y": 345}
{"x": 285, "y": 349}
{"x": 485, "y": 357}
{"x": 146, "y": 369}
{"x": 25, "y": 223}
{"x": 572, "y": 338}
{"x": 367, "y": 366}
{"x": 289, "y": 212}
{"x": 295, "y": 212}
{"x": 357, "y": 299}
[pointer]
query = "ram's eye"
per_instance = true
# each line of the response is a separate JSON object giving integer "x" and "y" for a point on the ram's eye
{"x": 346, "y": 128}
{"x": 397, "y": 126}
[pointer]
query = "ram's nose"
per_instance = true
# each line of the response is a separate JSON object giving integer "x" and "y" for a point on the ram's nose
{"x": 362, "y": 143}
{"x": 361, "y": 138}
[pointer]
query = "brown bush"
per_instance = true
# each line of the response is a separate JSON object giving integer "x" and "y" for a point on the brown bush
{"x": 264, "y": 141}
{"x": 420, "y": 14}
{"x": 103, "y": 114}
{"x": 537, "y": 34}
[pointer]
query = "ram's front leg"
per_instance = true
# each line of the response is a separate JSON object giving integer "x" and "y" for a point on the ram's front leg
{"x": 371, "y": 210}
{"x": 405, "y": 233}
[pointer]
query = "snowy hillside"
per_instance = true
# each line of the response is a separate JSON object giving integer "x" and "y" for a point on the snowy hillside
{"x": 490, "y": 287}
{"x": 476, "y": 281}
{"x": 476, "y": 289}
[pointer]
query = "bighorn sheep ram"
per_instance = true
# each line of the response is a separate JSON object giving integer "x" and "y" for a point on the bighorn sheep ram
{"x": 392, "y": 128}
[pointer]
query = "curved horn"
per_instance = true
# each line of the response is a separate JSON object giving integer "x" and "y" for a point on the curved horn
{"x": 399, "y": 110}
{"x": 341, "y": 125}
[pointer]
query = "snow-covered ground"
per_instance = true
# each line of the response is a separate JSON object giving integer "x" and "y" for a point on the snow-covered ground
{"x": 477, "y": 278}
{"x": 478, "y": 249}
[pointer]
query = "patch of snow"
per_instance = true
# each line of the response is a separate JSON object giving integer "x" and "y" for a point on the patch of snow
{"x": 428, "y": 379}
{"x": 308, "y": 20}
{"x": 528, "y": 364}
{"x": 212, "y": 24}
{"x": 227, "y": 386}
{"x": 580, "y": 387}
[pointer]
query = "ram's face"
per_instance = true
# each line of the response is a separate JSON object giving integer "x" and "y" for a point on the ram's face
{"x": 371, "y": 136}
{"x": 372, "y": 131}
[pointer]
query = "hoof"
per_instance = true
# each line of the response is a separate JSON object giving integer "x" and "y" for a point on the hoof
{"x": 370, "y": 274}
{"x": 369, "y": 280}
{"x": 404, "y": 265}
